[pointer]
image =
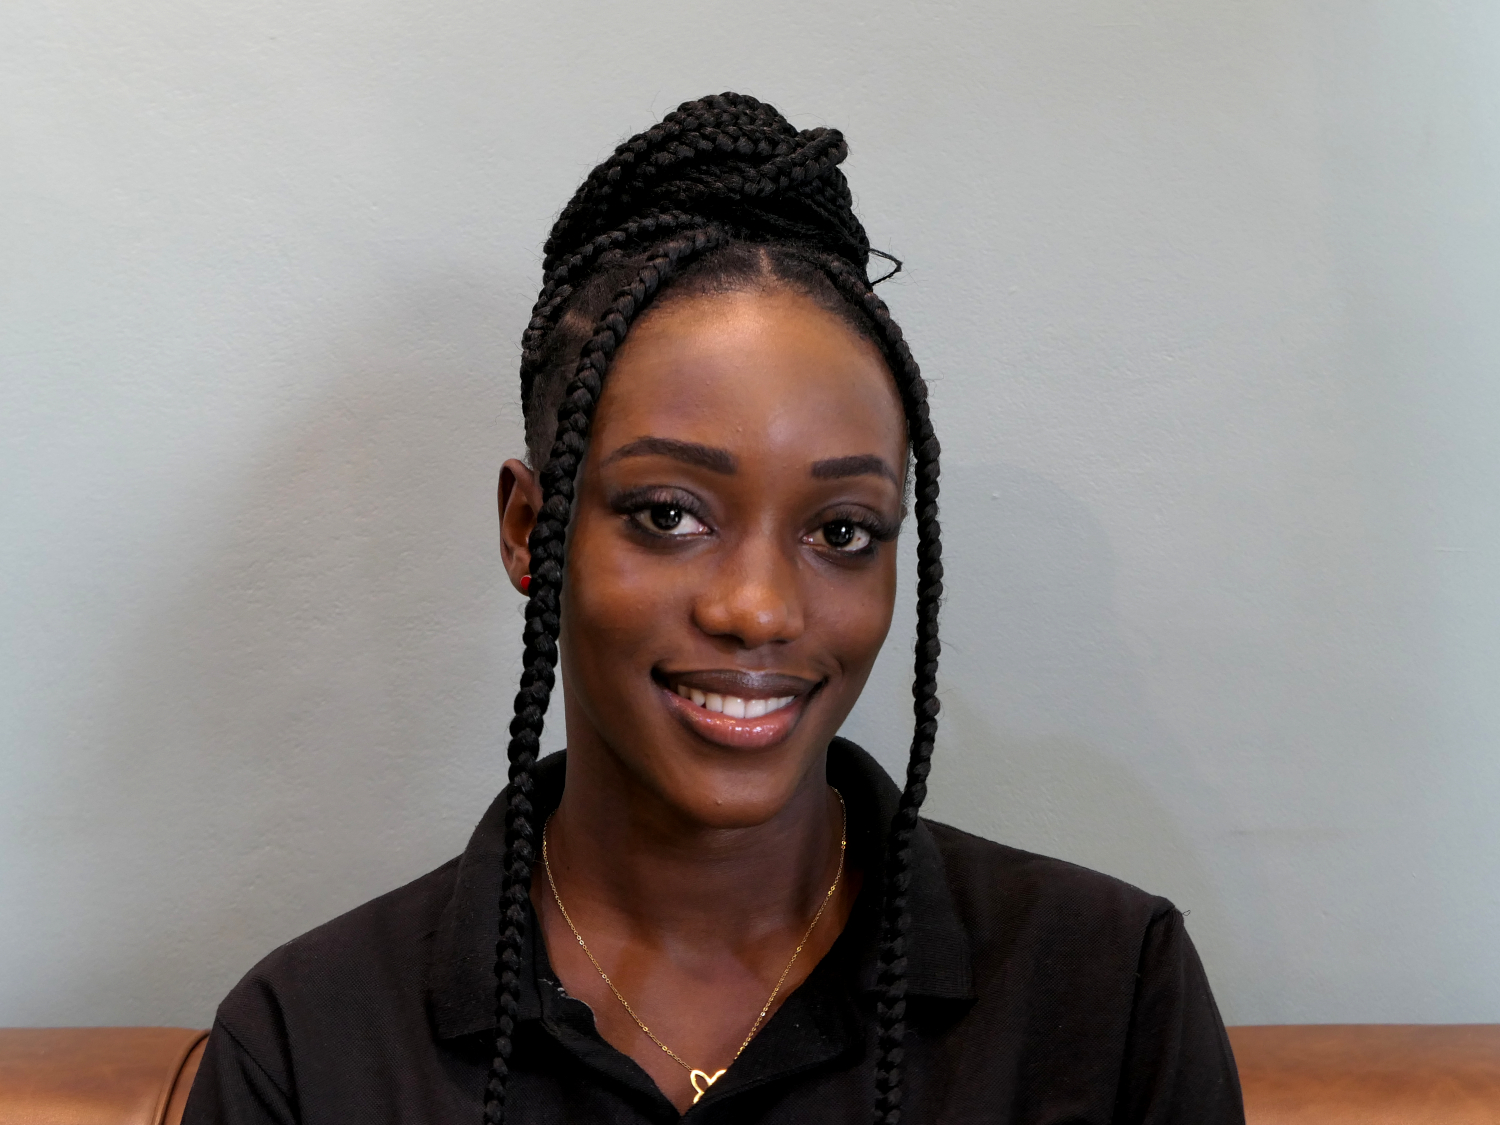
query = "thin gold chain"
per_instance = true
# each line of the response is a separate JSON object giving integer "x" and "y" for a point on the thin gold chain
{"x": 801, "y": 945}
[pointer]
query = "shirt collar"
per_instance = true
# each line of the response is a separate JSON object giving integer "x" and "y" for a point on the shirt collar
{"x": 461, "y": 971}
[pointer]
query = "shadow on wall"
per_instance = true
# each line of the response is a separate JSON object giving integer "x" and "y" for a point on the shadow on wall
{"x": 316, "y": 712}
{"x": 1049, "y": 739}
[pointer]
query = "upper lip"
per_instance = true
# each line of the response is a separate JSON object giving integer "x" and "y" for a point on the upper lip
{"x": 746, "y": 685}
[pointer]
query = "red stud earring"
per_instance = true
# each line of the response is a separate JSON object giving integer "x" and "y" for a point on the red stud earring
{"x": 525, "y": 583}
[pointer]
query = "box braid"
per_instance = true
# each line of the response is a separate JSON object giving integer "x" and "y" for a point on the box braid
{"x": 896, "y": 918}
{"x": 543, "y": 607}
{"x": 723, "y": 193}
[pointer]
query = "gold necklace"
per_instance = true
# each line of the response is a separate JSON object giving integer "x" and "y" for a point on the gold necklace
{"x": 694, "y": 1074}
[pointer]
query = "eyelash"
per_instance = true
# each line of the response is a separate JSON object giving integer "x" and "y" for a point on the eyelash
{"x": 879, "y": 530}
{"x": 639, "y": 501}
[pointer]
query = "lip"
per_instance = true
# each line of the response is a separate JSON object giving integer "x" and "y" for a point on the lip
{"x": 725, "y": 730}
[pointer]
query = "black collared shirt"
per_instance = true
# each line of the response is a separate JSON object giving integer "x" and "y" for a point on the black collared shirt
{"x": 1039, "y": 992}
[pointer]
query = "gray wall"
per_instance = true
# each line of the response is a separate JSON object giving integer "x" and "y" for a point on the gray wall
{"x": 1207, "y": 294}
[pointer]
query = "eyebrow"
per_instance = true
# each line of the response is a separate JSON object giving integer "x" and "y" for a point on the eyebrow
{"x": 690, "y": 452}
{"x": 859, "y": 465}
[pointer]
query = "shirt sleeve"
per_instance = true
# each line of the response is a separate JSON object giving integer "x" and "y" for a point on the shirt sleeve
{"x": 1179, "y": 1068}
{"x": 233, "y": 1089}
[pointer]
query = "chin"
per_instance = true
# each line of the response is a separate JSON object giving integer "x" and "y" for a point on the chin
{"x": 727, "y": 790}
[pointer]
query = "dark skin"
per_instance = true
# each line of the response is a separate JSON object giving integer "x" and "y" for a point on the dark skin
{"x": 732, "y": 542}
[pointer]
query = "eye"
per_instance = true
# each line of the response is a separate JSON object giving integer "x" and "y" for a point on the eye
{"x": 668, "y": 518}
{"x": 842, "y": 535}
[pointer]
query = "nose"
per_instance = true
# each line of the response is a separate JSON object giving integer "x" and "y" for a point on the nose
{"x": 753, "y": 597}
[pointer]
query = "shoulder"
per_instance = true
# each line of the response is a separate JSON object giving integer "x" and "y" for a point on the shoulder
{"x": 1084, "y": 984}
{"x": 382, "y": 937}
{"x": 1062, "y": 958}
{"x": 1006, "y": 895}
{"x": 369, "y": 964}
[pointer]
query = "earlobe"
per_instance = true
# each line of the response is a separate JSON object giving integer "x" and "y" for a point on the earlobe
{"x": 519, "y": 496}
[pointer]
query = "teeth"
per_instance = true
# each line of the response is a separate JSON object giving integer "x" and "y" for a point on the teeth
{"x": 733, "y": 705}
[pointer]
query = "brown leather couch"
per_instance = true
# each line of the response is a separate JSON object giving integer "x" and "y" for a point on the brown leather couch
{"x": 1361, "y": 1074}
{"x": 1370, "y": 1074}
{"x": 97, "y": 1075}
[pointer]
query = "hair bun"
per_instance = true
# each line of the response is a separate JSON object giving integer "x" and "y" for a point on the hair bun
{"x": 731, "y": 161}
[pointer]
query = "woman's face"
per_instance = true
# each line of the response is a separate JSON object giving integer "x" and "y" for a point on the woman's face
{"x": 731, "y": 564}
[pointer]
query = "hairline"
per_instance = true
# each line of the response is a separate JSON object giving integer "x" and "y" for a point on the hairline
{"x": 550, "y": 383}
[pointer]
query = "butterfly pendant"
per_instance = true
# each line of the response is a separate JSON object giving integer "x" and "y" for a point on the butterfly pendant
{"x": 708, "y": 1080}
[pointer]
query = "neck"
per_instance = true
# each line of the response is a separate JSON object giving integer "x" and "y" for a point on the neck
{"x": 617, "y": 848}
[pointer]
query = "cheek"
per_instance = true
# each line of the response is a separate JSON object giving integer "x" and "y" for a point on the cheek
{"x": 854, "y": 615}
{"x": 614, "y": 605}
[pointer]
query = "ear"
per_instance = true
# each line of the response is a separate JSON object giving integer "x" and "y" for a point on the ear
{"x": 520, "y": 501}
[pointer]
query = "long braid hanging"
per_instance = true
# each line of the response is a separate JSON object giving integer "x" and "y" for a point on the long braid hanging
{"x": 896, "y": 918}
{"x": 539, "y": 661}
{"x": 715, "y": 170}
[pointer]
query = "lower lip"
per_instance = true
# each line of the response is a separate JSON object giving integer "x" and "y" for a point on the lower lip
{"x": 726, "y": 730}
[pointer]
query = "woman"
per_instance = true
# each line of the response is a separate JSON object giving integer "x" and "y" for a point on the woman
{"x": 712, "y": 907}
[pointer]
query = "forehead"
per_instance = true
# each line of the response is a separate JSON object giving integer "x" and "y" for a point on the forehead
{"x": 765, "y": 371}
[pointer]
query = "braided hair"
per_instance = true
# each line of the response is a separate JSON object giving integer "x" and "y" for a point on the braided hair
{"x": 722, "y": 194}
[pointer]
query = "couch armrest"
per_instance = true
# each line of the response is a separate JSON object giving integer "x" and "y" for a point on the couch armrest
{"x": 177, "y": 1102}
{"x": 97, "y": 1075}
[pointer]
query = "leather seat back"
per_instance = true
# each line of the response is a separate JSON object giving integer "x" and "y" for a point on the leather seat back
{"x": 1370, "y": 1074}
{"x": 97, "y": 1075}
{"x": 1439, "y": 1074}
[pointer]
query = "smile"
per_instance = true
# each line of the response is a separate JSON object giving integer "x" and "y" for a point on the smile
{"x": 735, "y": 706}
{"x": 737, "y": 709}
